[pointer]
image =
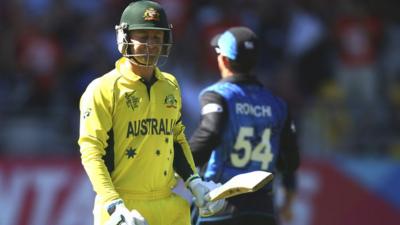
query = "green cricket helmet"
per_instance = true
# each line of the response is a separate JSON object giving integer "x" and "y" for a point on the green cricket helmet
{"x": 143, "y": 15}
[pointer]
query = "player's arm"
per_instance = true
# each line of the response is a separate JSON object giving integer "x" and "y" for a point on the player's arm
{"x": 184, "y": 165}
{"x": 288, "y": 157}
{"x": 183, "y": 160}
{"x": 288, "y": 163}
{"x": 208, "y": 134}
{"x": 95, "y": 125}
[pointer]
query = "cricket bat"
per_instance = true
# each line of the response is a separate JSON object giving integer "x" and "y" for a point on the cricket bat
{"x": 241, "y": 184}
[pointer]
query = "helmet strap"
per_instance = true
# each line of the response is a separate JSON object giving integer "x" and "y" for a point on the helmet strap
{"x": 133, "y": 60}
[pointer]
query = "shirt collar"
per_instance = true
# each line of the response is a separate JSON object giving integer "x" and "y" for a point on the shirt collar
{"x": 122, "y": 66}
{"x": 241, "y": 78}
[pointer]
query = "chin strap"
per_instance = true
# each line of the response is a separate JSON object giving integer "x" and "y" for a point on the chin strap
{"x": 137, "y": 63}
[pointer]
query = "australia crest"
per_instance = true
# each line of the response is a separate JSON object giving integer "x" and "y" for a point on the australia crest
{"x": 151, "y": 15}
{"x": 170, "y": 101}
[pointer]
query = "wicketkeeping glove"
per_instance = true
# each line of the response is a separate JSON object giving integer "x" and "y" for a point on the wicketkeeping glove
{"x": 200, "y": 189}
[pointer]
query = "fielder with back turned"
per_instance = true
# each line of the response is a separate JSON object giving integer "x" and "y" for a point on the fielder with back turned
{"x": 244, "y": 128}
{"x": 131, "y": 135}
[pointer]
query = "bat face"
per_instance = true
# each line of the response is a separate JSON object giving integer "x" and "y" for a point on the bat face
{"x": 241, "y": 184}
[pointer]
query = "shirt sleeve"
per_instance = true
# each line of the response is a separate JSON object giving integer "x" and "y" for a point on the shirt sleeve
{"x": 95, "y": 124}
{"x": 183, "y": 160}
{"x": 208, "y": 134}
{"x": 288, "y": 158}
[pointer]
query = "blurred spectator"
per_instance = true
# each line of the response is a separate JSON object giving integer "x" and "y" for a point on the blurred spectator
{"x": 391, "y": 71}
{"x": 38, "y": 58}
{"x": 180, "y": 16}
{"x": 358, "y": 34}
{"x": 307, "y": 50}
{"x": 51, "y": 50}
{"x": 210, "y": 20}
{"x": 274, "y": 19}
{"x": 326, "y": 123}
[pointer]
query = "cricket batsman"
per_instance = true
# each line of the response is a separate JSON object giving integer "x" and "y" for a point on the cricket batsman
{"x": 132, "y": 138}
{"x": 244, "y": 128}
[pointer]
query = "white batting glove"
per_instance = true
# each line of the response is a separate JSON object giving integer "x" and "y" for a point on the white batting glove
{"x": 120, "y": 215}
{"x": 200, "y": 190}
{"x": 212, "y": 208}
{"x": 138, "y": 219}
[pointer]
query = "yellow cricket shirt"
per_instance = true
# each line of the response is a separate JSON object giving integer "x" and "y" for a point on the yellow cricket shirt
{"x": 128, "y": 131}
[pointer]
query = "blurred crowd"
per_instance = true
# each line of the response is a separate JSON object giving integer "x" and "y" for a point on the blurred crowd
{"x": 337, "y": 63}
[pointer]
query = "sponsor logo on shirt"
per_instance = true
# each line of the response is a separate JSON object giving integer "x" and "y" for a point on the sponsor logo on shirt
{"x": 132, "y": 101}
{"x": 150, "y": 126}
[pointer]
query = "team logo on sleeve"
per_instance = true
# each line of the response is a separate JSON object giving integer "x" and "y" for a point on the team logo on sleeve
{"x": 170, "y": 101}
{"x": 131, "y": 100}
{"x": 151, "y": 15}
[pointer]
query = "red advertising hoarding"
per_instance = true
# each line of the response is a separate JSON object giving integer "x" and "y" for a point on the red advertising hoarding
{"x": 57, "y": 192}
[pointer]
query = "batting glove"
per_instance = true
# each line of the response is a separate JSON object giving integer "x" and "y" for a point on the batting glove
{"x": 200, "y": 189}
{"x": 212, "y": 208}
{"x": 138, "y": 219}
{"x": 120, "y": 215}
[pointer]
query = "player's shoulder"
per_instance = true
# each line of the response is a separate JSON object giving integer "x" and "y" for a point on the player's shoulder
{"x": 213, "y": 88}
{"x": 277, "y": 98}
{"x": 103, "y": 83}
{"x": 169, "y": 78}
{"x": 218, "y": 86}
{"x": 278, "y": 103}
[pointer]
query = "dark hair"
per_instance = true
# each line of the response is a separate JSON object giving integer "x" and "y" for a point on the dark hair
{"x": 243, "y": 65}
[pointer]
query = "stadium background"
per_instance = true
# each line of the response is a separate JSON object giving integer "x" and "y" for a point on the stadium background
{"x": 337, "y": 62}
